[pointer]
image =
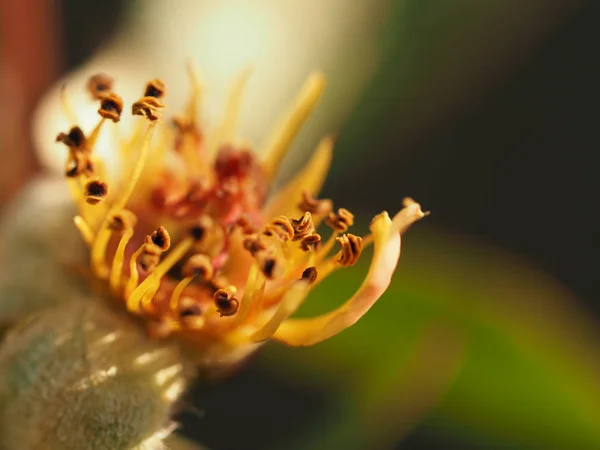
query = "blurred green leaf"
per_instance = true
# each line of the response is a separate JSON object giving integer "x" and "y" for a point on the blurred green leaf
{"x": 500, "y": 348}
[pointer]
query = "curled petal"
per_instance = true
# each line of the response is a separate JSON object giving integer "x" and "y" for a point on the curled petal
{"x": 386, "y": 241}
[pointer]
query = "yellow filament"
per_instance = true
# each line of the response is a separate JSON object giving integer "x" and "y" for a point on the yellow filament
{"x": 326, "y": 248}
{"x": 139, "y": 293}
{"x": 95, "y": 133}
{"x": 76, "y": 191}
{"x": 254, "y": 286}
{"x": 290, "y": 302}
{"x": 225, "y": 133}
{"x": 116, "y": 270}
{"x": 86, "y": 231}
{"x": 137, "y": 171}
{"x": 286, "y": 132}
{"x": 176, "y": 295}
{"x": 133, "y": 272}
{"x": 66, "y": 106}
{"x": 98, "y": 253}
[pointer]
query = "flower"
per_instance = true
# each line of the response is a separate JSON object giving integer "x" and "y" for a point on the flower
{"x": 188, "y": 236}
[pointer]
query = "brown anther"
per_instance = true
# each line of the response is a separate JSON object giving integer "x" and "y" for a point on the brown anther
{"x": 351, "y": 249}
{"x": 303, "y": 226}
{"x": 268, "y": 264}
{"x": 74, "y": 139}
{"x": 95, "y": 191}
{"x": 253, "y": 244}
{"x": 155, "y": 88}
{"x": 226, "y": 303}
{"x": 310, "y": 242}
{"x": 79, "y": 164}
{"x": 198, "y": 231}
{"x": 198, "y": 265}
{"x": 314, "y": 206}
{"x": 111, "y": 106}
{"x": 189, "y": 307}
{"x": 281, "y": 228}
{"x": 150, "y": 256}
{"x": 161, "y": 239}
{"x": 310, "y": 274}
{"x": 99, "y": 84}
{"x": 341, "y": 220}
{"x": 147, "y": 107}
{"x": 122, "y": 220}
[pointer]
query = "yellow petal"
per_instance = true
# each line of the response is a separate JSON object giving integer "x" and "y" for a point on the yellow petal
{"x": 284, "y": 135}
{"x": 309, "y": 179}
{"x": 299, "y": 332}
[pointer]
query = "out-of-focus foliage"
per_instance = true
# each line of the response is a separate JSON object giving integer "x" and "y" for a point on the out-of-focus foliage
{"x": 468, "y": 338}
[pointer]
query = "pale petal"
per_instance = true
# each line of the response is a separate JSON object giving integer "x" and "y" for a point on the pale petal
{"x": 385, "y": 258}
{"x": 309, "y": 179}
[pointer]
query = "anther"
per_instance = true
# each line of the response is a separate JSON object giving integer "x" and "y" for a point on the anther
{"x": 111, "y": 106}
{"x": 161, "y": 239}
{"x": 79, "y": 164}
{"x": 74, "y": 139}
{"x": 95, "y": 191}
{"x": 303, "y": 226}
{"x": 226, "y": 303}
{"x": 268, "y": 264}
{"x": 122, "y": 220}
{"x": 281, "y": 228}
{"x": 155, "y": 88}
{"x": 351, "y": 249}
{"x": 310, "y": 242}
{"x": 147, "y": 107}
{"x": 188, "y": 307}
{"x": 341, "y": 220}
{"x": 199, "y": 230}
{"x": 253, "y": 244}
{"x": 314, "y": 206}
{"x": 99, "y": 84}
{"x": 310, "y": 274}
{"x": 198, "y": 265}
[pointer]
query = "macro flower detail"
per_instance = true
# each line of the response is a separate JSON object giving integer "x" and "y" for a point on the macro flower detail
{"x": 190, "y": 237}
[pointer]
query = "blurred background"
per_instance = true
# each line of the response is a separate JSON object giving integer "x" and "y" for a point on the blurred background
{"x": 484, "y": 111}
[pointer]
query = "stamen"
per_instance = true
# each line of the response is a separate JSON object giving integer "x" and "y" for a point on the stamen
{"x": 95, "y": 191}
{"x": 311, "y": 242}
{"x": 116, "y": 269}
{"x": 312, "y": 205}
{"x": 303, "y": 226}
{"x": 86, "y": 231}
{"x": 75, "y": 139}
{"x": 280, "y": 228}
{"x": 226, "y": 303}
{"x": 351, "y": 249}
{"x": 134, "y": 274}
{"x": 289, "y": 304}
{"x": 310, "y": 274}
{"x": 111, "y": 107}
{"x": 287, "y": 131}
{"x": 196, "y": 265}
{"x": 148, "y": 107}
{"x": 341, "y": 220}
{"x": 155, "y": 88}
{"x": 150, "y": 283}
{"x": 98, "y": 85}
